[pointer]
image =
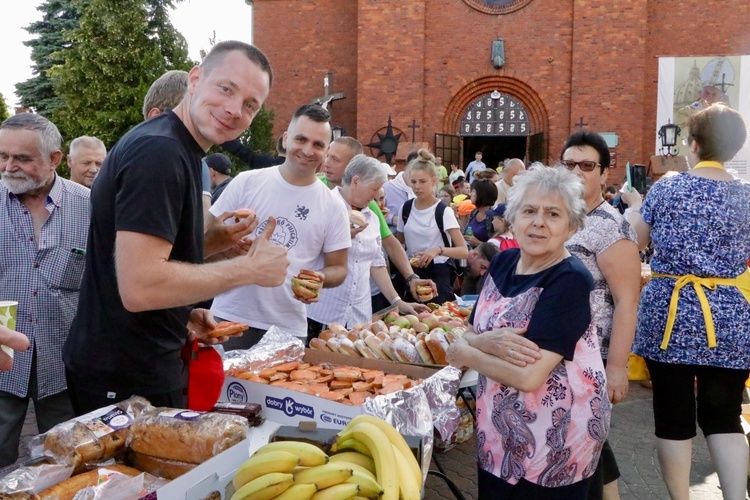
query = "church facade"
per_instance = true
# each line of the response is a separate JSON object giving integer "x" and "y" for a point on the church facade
{"x": 510, "y": 78}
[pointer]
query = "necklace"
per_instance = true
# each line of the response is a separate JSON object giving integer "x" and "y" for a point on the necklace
{"x": 709, "y": 164}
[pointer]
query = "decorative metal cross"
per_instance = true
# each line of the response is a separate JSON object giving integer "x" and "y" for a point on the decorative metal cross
{"x": 413, "y": 128}
{"x": 327, "y": 97}
{"x": 581, "y": 124}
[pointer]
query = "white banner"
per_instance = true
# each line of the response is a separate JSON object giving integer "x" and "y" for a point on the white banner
{"x": 685, "y": 83}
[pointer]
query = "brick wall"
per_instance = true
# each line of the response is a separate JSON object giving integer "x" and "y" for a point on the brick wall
{"x": 427, "y": 59}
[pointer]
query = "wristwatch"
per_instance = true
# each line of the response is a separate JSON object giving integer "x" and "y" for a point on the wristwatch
{"x": 413, "y": 276}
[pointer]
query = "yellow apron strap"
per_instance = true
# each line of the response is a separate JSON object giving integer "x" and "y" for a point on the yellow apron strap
{"x": 742, "y": 282}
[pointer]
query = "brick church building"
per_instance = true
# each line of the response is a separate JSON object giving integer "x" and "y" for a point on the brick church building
{"x": 511, "y": 78}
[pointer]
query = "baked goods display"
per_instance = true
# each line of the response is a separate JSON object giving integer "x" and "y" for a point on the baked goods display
{"x": 307, "y": 284}
{"x": 339, "y": 383}
{"x": 185, "y": 435}
{"x": 94, "y": 437}
{"x": 421, "y": 339}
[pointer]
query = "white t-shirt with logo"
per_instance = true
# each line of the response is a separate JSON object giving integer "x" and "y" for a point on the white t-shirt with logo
{"x": 422, "y": 232}
{"x": 310, "y": 221}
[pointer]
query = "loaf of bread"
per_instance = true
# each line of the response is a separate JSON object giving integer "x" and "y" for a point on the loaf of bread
{"x": 159, "y": 467}
{"x": 94, "y": 437}
{"x": 68, "y": 488}
{"x": 184, "y": 435}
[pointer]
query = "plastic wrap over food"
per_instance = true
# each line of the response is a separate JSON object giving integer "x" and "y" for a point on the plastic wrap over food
{"x": 276, "y": 347}
{"x": 409, "y": 412}
{"x": 185, "y": 435}
{"x": 34, "y": 478}
{"x": 91, "y": 438}
{"x": 441, "y": 390}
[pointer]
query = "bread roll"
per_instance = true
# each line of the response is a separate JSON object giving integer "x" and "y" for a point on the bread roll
{"x": 424, "y": 353}
{"x": 405, "y": 351}
{"x": 319, "y": 344}
{"x": 185, "y": 436}
{"x": 68, "y": 488}
{"x": 437, "y": 344}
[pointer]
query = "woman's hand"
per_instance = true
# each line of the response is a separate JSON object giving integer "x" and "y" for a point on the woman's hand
{"x": 455, "y": 353}
{"x": 411, "y": 307}
{"x": 508, "y": 344}
{"x": 632, "y": 198}
{"x": 426, "y": 257}
{"x": 617, "y": 383}
{"x": 472, "y": 240}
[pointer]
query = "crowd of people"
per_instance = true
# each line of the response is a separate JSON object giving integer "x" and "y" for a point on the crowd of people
{"x": 108, "y": 267}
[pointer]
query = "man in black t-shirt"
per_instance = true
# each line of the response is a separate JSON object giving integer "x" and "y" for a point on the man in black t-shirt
{"x": 145, "y": 246}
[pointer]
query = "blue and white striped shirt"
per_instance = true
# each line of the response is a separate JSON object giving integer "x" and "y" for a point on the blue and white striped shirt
{"x": 44, "y": 279}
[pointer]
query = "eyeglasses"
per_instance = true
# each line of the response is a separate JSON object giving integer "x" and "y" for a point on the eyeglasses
{"x": 585, "y": 165}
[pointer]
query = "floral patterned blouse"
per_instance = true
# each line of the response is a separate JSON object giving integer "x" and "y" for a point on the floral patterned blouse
{"x": 553, "y": 436}
{"x": 603, "y": 228}
{"x": 702, "y": 227}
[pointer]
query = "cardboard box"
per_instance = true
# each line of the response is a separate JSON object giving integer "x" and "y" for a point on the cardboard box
{"x": 289, "y": 407}
{"x": 215, "y": 475}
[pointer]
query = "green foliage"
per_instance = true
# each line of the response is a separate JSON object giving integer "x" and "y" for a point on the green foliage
{"x": 4, "y": 113}
{"x": 47, "y": 49}
{"x": 118, "y": 49}
{"x": 258, "y": 137}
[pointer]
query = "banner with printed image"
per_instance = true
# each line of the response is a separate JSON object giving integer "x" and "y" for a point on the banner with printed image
{"x": 687, "y": 84}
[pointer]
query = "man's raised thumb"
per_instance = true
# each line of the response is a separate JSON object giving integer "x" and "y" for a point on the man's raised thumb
{"x": 269, "y": 229}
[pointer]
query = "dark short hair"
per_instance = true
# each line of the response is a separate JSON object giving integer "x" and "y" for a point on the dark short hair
{"x": 583, "y": 138}
{"x": 487, "y": 250}
{"x": 219, "y": 162}
{"x": 719, "y": 131}
{"x": 221, "y": 49}
{"x": 610, "y": 189}
{"x": 315, "y": 112}
{"x": 486, "y": 192}
{"x": 411, "y": 156}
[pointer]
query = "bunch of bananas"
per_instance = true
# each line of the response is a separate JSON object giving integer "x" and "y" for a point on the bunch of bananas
{"x": 396, "y": 469}
{"x": 293, "y": 470}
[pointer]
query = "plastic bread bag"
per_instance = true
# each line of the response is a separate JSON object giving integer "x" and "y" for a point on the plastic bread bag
{"x": 275, "y": 348}
{"x": 185, "y": 435}
{"x": 28, "y": 479}
{"x": 91, "y": 438}
{"x": 113, "y": 486}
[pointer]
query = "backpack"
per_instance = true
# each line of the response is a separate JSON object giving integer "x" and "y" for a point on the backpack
{"x": 439, "y": 211}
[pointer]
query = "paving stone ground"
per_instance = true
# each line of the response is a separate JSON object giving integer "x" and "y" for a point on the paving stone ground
{"x": 631, "y": 437}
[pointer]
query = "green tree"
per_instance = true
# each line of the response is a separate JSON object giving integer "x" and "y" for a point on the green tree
{"x": 48, "y": 49}
{"x": 4, "y": 113}
{"x": 119, "y": 48}
{"x": 258, "y": 137}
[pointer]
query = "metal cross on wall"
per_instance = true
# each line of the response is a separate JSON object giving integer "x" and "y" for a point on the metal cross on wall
{"x": 327, "y": 97}
{"x": 581, "y": 124}
{"x": 413, "y": 128}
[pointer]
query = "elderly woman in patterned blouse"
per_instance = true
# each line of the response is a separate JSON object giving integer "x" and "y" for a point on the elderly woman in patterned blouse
{"x": 541, "y": 426}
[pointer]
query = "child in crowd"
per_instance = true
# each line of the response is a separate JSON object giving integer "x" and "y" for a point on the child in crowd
{"x": 503, "y": 238}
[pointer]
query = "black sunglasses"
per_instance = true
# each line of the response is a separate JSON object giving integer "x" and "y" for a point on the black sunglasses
{"x": 585, "y": 165}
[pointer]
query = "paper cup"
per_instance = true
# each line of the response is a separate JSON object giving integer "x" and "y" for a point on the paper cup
{"x": 8, "y": 319}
